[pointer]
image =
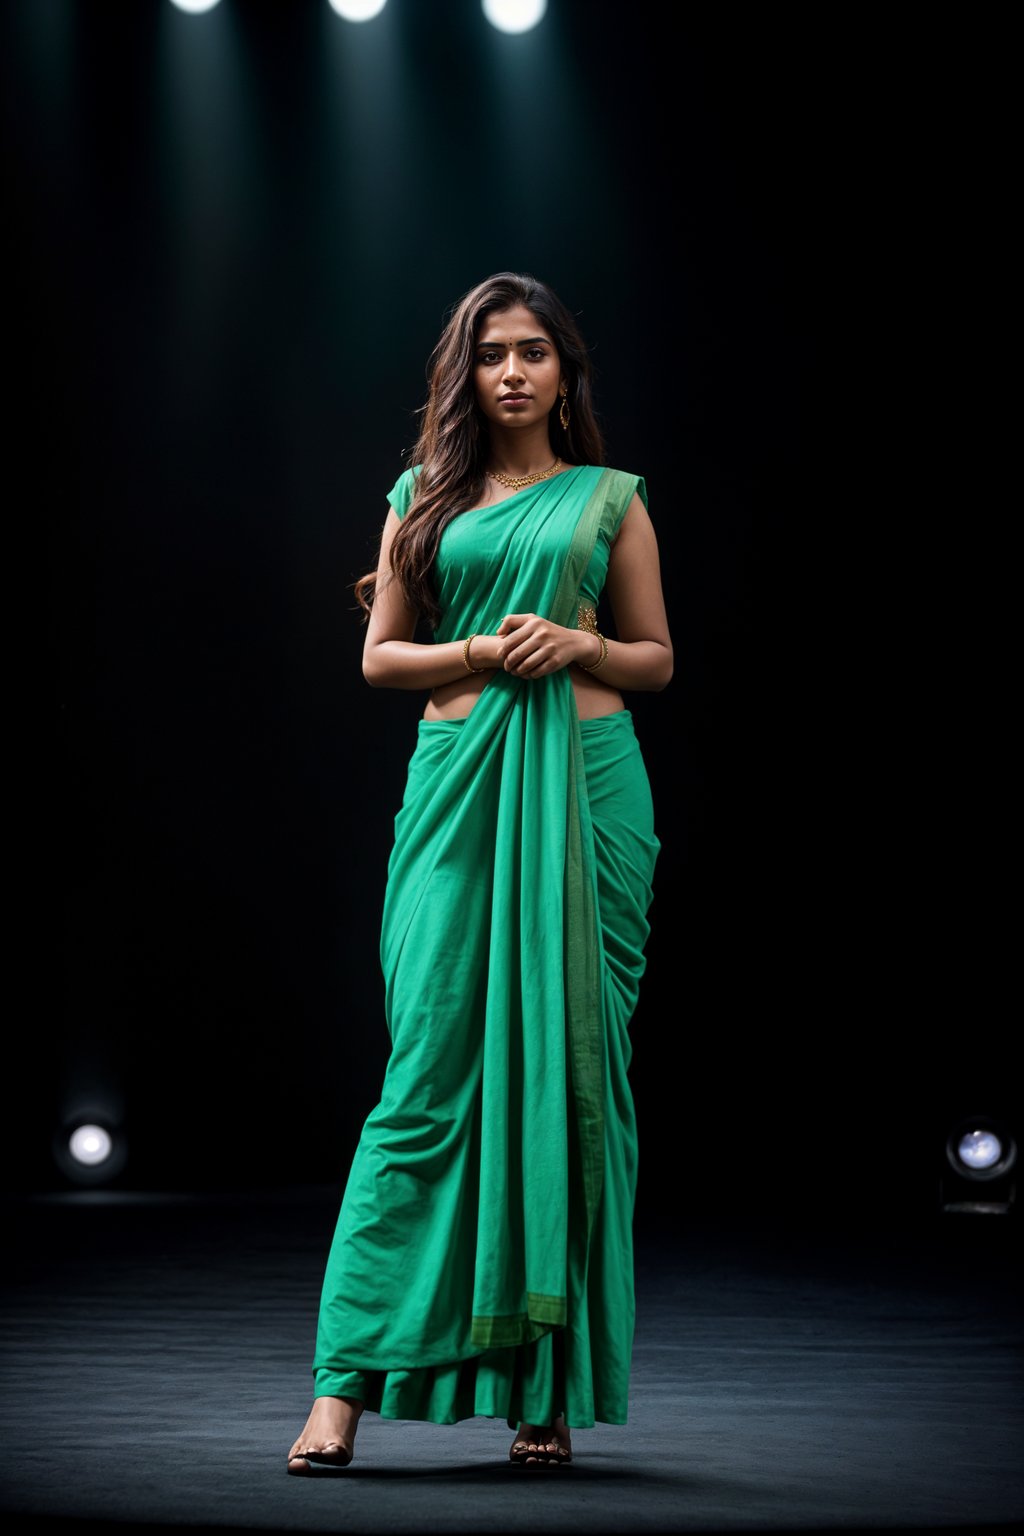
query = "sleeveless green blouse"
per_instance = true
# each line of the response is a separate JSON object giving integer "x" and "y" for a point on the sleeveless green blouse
{"x": 475, "y": 544}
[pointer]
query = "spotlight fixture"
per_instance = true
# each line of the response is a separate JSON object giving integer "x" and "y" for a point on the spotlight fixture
{"x": 514, "y": 15}
{"x": 981, "y": 1155}
{"x": 89, "y": 1150}
{"x": 90, "y": 1144}
{"x": 357, "y": 10}
{"x": 194, "y": 7}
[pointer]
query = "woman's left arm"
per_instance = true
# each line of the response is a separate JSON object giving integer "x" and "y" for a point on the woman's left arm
{"x": 641, "y": 655}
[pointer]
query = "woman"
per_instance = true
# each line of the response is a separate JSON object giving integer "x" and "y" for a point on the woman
{"x": 482, "y": 1262}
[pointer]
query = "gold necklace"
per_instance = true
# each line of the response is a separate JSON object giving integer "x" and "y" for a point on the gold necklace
{"x": 517, "y": 482}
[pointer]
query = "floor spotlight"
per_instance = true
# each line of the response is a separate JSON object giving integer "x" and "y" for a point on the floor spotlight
{"x": 90, "y": 1144}
{"x": 514, "y": 15}
{"x": 89, "y": 1150}
{"x": 978, "y": 1176}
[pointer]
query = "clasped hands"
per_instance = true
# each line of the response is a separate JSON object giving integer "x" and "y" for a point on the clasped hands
{"x": 529, "y": 646}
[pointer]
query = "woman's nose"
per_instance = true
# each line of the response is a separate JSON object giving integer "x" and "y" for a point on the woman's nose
{"x": 513, "y": 367}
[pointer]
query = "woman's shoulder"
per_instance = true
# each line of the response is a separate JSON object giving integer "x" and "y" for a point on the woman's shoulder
{"x": 400, "y": 494}
{"x": 624, "y": 474}
{"x": 624, "y": 485}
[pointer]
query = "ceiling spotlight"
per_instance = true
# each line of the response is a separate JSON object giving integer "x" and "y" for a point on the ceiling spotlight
{"x": 195, "y": 7}
{"x": 357, "y": 10}
{"x": 514, "y": 15}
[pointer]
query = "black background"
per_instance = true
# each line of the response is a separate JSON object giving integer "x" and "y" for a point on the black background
{"x": 234, "y": 240}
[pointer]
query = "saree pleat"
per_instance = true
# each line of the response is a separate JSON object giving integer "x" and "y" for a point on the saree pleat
{"x": 482, "y": 1260}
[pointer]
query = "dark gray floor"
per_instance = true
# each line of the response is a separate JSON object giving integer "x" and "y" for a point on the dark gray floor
{"x": 157, "y": 1370}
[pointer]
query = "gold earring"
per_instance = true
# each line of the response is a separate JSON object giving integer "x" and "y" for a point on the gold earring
{"x": 563, "y": 411}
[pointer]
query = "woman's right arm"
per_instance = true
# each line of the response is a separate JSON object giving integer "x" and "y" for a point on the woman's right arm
{"x": 391, "y": 658}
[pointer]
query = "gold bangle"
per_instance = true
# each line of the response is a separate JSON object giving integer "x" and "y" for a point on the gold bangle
{"x": 465, "y": 654}
{"x": 604, "y": 652}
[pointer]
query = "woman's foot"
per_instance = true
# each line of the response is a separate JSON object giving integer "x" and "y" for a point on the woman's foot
{"x": 328, "y": 1438}
{"x": 542, "y": 1445}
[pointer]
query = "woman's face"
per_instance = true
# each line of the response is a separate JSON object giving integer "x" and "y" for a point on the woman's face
{"x": 517, "y": 372}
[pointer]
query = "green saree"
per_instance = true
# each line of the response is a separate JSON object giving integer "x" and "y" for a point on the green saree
{"x": 482, "y": 1260}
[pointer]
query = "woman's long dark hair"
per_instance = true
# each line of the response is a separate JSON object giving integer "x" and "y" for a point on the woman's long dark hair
{"x": 453, "y": 441}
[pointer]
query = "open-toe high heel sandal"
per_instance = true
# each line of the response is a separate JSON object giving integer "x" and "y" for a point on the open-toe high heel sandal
{"x": 538, "y": 1452}
{"x": 319, "y": 1463}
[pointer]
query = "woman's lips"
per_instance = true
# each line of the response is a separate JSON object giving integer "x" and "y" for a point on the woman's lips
{"x": 514, "y": 400}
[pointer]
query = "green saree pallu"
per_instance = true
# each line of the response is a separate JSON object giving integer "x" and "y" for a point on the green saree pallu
{"x": 482, "y": 1261}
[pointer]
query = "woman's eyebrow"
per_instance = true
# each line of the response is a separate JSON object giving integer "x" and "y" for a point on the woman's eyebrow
{"x": 529, "y": 342}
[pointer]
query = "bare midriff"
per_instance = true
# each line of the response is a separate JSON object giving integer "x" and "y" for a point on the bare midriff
{"x": 454, "y": 701}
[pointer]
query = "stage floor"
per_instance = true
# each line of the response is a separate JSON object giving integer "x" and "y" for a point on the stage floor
{"x": 157, "y": 1369}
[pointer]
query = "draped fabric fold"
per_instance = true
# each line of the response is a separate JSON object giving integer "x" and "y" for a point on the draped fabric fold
{"x": 482, "y": 1259}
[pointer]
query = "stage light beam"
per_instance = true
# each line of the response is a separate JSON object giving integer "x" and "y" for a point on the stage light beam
{"x": 357, "y": 10}
{"x": 514, "y": 15}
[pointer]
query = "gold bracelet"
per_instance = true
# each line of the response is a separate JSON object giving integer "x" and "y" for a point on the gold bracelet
{"x": 586, "y": 619}
{"x": 465, "y": 654}
{"x": 604, "y": 652}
